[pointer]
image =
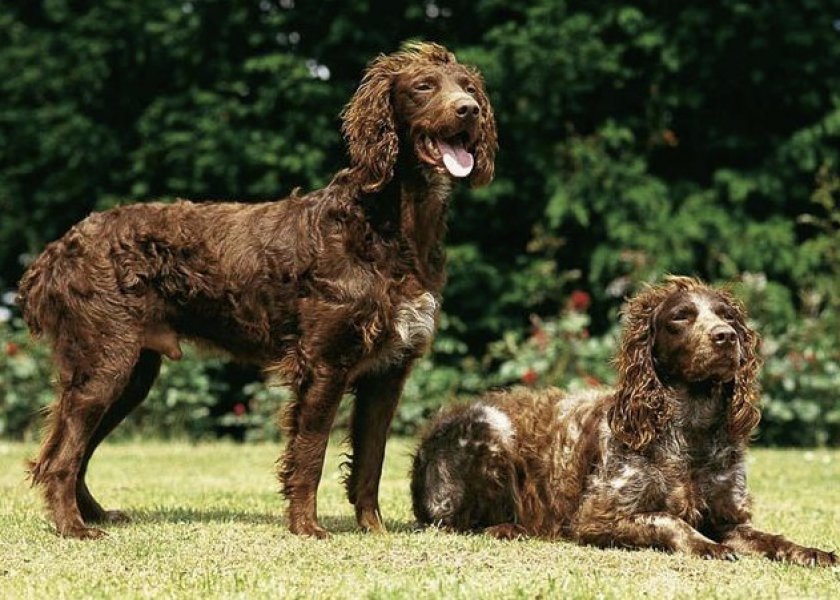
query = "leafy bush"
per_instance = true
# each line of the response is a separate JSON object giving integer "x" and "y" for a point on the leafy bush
{"x": 257, "y": 417}
{"x": 558, "y": 352}
{"x": 25, "y": 388}
{"x": 800, "y": 382}
{"x": 802, "y": 369}
{"x": 637, "y": 138}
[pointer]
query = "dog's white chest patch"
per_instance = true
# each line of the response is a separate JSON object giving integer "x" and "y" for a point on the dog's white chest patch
{"x": 414, "y": 323}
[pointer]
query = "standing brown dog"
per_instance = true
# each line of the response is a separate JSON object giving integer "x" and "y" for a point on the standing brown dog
{"x": 659, "y": 462}
{"x": 336, "y": 289}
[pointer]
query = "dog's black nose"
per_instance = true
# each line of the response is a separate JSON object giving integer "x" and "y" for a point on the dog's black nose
{"x": 466, "y": 108}
{"x": 724, "y": 335}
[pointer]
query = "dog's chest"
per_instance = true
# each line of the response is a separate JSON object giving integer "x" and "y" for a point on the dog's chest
{"x": 411, "y": 331}
{"x": 414, "y": 324}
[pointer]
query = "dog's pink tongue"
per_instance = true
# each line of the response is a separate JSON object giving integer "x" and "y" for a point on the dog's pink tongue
{"x": 456, "y": 159}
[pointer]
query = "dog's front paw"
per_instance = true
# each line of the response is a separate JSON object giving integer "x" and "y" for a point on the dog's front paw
{"x": 309, "y": 529}
{"x": 811, "y": 557}
{"x": 713, "y": 551}
{"x": 82, "y": 533}
{"x": 506, "y": 531}
{"x": 370, "y": 520}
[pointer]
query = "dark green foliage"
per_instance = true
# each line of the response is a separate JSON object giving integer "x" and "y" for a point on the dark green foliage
{"x": 637, "y": 138}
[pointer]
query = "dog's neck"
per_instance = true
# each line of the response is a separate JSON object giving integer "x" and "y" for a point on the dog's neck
{"x": 699, "y": 406}
{"x": 411, "y": 209}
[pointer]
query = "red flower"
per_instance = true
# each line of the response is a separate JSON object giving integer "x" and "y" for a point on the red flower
{"x": 580, "y": 300}
{"x": 530, "y": 377}
{"x": 592, "y": 381}
{"x": 670, "y": 138}
{"x": 11, "y": 349}
{"x": 239, "y": 409}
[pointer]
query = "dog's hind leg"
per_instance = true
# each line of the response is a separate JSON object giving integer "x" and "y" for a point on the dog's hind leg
{"x": 92, "y": 379}
{"x": 307, "y": 422}
{"x": 377, "y": 395}
{"x": 142, "y": 377}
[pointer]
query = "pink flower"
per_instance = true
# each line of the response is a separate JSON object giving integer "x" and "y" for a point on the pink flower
{"x": 239, "y": 409}
{"x": 530, "y": 377}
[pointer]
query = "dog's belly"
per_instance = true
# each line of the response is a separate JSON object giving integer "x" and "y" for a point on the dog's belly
{"x": 262, "y": 335}
{"x": 255, "y": 329}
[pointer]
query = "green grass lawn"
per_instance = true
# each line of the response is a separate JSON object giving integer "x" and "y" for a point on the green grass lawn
{"x": 208, "y": 522}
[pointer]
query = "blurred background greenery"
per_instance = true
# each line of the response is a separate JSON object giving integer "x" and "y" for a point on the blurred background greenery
{"x": 637, "y": 139}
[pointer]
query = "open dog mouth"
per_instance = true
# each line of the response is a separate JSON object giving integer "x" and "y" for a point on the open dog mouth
{"x": 447, "y": 154}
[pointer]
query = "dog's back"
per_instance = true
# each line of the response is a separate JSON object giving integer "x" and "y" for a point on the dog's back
{"x": 518, "y": 456}
{"x": 144, "y": 260}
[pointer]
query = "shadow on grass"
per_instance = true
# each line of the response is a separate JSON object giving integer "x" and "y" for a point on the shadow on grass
{"x": 177, "y": 514}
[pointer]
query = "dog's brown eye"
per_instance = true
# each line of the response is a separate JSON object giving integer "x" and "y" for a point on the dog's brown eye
{"x": 471, "y": 89}
{"x": 682, "y": 315}
{"x": 423, "y": 86}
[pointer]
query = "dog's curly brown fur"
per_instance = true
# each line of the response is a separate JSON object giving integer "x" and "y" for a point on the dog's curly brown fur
{"x": 658, "y": 462}
{"x": 334, "y": 290}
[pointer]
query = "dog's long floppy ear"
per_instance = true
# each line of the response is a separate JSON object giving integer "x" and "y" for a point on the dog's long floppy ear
{"x": 744, "y": 412}
{"x": 639, "y": 407}
{"x": 370, "y": 129}
{"x": 487, "y": 144}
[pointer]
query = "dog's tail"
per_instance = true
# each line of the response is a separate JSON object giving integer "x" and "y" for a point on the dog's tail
{"x": 32, "y": 292}
{"x": 48, "y": 282}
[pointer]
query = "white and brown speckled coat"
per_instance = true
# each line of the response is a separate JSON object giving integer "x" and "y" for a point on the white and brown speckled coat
{"x": 657, "y": 462}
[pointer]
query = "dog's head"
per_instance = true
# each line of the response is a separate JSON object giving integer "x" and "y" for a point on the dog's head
{"x": 420, "y": 100}
{"x": 683, "y": 333}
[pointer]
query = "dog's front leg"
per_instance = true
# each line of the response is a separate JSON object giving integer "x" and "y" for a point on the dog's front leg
{"x": 744, "y": 538}
{"x": 308, "y": 422}
{"x": 377, "y": 395}
{"x": 651, "y": 530}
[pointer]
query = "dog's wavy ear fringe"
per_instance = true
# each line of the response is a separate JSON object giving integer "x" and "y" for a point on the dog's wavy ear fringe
{"x": 639, "y": 406}
{"x": 744, "y": 412}
{"x": 370, "y": 129}
{"x": 487, "y": 144}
